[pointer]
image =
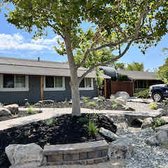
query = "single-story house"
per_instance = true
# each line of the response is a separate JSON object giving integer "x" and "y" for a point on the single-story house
{"x": 129, "y": 81}
{"x": 36, "y": 80}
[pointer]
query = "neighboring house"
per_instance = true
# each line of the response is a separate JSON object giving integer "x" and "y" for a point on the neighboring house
{"x": 36, "y": 80}
{"x": 129, "y": 81}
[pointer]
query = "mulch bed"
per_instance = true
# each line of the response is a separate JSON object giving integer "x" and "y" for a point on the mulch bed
{"x": 59, "y": 130}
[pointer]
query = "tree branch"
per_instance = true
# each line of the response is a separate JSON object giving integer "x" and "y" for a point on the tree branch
{"x": 95, "y": 39}
{"x": 105, "y": 63}
{"x": 110, "y": 44}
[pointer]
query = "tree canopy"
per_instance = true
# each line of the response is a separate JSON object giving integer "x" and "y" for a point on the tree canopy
{"x": 135, "y": 66}
{"x": 115, "y": 25}
{"x": 163, "y": 71}
{"x": 119, "y": 65}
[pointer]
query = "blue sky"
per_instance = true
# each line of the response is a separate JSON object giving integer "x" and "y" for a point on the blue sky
{"x": 18, "y": 43}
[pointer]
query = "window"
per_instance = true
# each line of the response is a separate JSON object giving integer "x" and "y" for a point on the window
{"x": 86, "y": 84}
{"x": 54, "y": 83}
{"x": 9, "y": 82}
{"x": 49, "y": 82}
{"x": 20, "y": 81}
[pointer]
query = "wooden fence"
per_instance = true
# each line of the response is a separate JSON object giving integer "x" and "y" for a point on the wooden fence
{"x": 127, "y": 86}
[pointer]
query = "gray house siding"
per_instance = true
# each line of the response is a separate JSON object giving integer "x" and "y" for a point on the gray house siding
{"x": 90, "y": 93}
{"x": 66, "y": 94}
{"x": 33, "y": 95}
{"x": 59, "y": 95}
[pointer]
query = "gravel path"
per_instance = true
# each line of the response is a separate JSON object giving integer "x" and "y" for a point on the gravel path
{"x": 139, "y": 106}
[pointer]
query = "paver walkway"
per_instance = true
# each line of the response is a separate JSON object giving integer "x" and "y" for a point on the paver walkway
{"x": 53, "y": 112}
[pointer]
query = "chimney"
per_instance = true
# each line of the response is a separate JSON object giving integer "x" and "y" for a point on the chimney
{"x": 38, "y": 58}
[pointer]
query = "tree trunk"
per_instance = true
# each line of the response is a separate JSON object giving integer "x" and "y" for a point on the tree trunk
{"x": 76, "y": 111}
{"x": 74, "y": 83}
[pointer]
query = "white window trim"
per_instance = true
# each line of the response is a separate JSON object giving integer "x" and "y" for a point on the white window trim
{"x": 14, "y": 89}
{"x": 87, "y": 88}
{"x": 55, "y": 88}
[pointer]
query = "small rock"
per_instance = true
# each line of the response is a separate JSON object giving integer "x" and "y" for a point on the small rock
{"x": 121, "y": 101}
{"x": 13, "y": 108}
{"x": 46, "y": 102}
{"x": 4, "y": 112}
{"x": 22, "y": 154}
{"x": 108, "y": 134}
{"x": 152, "y": 141}
{"x": 165, "y": 118}
{"x": 147, "y": 122}
{"x": 112, "y": 97}
{"x": 1, "y": 105}
{"x": 161, "y": 110}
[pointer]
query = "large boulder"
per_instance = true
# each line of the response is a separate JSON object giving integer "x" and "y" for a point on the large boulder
{"x": 23, "y": 154}
{"x": 160, "y": 138}
{"x": 13, "y": 108}
{"x": 107, "y": 123}
{"x": 122, "y": 94}
{"x": 108, "y": 135}
{"x": 121, "y": 148}
{"x": 4, "y": 112}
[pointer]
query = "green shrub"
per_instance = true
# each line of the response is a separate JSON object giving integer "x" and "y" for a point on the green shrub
{"x": 50, "y": 121}
{"x": 91, "y": 104}
{"x": 122, "y": 77}
{"x": 84, "y": 120}
{"x": 92, "y": 128}
{"x": 114, "y": 105}
{"x": 153, "y": 106}
{"x": 142, "y": 93}
{"x": 31, "y": 110}
{"x": 157, "y": 122}
{"x": 85, "y": 99}
{"x": 101, "y": 98}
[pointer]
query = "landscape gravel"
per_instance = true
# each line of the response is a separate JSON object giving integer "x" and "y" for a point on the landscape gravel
{"x": 145, "y": 156}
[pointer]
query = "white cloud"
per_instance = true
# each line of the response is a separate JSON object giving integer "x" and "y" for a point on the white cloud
{"x": 18, "y": 42}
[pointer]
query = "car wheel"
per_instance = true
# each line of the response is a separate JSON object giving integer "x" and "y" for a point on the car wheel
{"x": 157, "y": 97}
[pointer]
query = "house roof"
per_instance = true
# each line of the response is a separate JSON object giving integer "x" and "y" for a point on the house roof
{"x": 139, "y": 75}
{"x": 35, "y": 67}
{"x": 134, "y": 75}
